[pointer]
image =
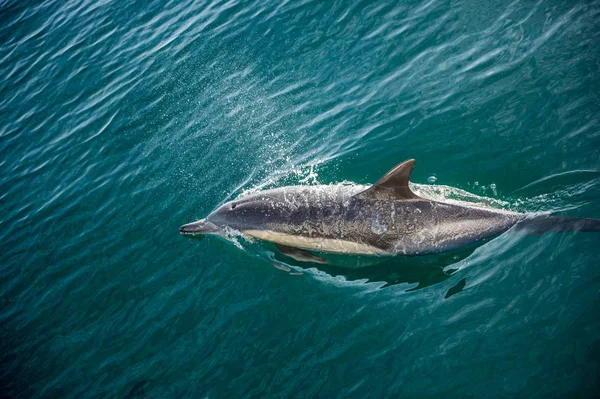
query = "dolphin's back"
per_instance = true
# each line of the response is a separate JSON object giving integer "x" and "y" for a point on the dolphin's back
{"x": 334, "y": 219}
{"x": 425, "y": 226}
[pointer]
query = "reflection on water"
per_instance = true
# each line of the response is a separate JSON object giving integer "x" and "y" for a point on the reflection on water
{"x": 420, "y": 271}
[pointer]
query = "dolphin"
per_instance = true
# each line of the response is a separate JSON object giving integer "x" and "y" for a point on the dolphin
{"x": 384, "y": 219}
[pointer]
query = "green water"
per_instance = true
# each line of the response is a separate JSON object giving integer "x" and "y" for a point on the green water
{"x": 120, "y": 121}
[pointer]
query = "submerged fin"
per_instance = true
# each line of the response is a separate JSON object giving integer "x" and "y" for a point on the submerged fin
{"x": 284, "y": 267}
{"x": 280, "y": 266}
{"x": 393, "y": 185}
{"x": 300, "y": 254}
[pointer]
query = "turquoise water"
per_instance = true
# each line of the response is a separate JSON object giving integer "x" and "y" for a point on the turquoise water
{"x": 120, "y": 121}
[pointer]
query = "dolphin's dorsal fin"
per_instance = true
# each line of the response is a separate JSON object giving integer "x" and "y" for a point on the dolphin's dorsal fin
{"x": 393, "y": 185}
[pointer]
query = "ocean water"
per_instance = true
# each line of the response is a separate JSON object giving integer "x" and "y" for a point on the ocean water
{"x": 120, "y": 121}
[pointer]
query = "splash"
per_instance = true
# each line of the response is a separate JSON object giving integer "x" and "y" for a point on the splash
{"x": 457, "y": 196}
{"x": 233, "y": 236}
{"x": 295, "y": 175}
{"x": 310, "y": 178}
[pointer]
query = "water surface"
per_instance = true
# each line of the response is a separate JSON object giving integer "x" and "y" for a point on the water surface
{"x": 120, "y": 121}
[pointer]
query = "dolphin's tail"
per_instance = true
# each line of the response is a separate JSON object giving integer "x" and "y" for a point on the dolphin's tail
{"x": 544, "y": 224}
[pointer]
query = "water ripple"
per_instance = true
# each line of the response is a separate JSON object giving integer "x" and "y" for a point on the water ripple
{"x": 122, "y": 121}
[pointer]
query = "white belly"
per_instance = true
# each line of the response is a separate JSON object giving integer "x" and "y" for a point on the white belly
{"x": 317, "y": 244}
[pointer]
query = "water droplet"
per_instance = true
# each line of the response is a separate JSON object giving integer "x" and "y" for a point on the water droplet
{"x": 378, "y": 228}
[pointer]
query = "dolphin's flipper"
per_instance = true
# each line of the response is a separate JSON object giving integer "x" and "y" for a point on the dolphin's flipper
{"x": 300, "y": 254}
{"x": 393, "y": 185}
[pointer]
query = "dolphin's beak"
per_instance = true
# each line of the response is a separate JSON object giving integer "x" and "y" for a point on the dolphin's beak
{"x": 201, "y": 226}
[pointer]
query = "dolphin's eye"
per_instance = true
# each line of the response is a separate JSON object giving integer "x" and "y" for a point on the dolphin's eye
{"x": 233, "y": 205}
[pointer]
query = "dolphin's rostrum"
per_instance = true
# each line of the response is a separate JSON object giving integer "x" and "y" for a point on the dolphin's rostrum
{"x": 384, "y": 219}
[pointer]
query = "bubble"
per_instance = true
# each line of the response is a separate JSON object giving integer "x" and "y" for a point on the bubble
{"x": 431, "y": 179}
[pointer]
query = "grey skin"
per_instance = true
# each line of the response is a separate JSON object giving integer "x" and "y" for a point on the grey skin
{"x": 384, "y": 219}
